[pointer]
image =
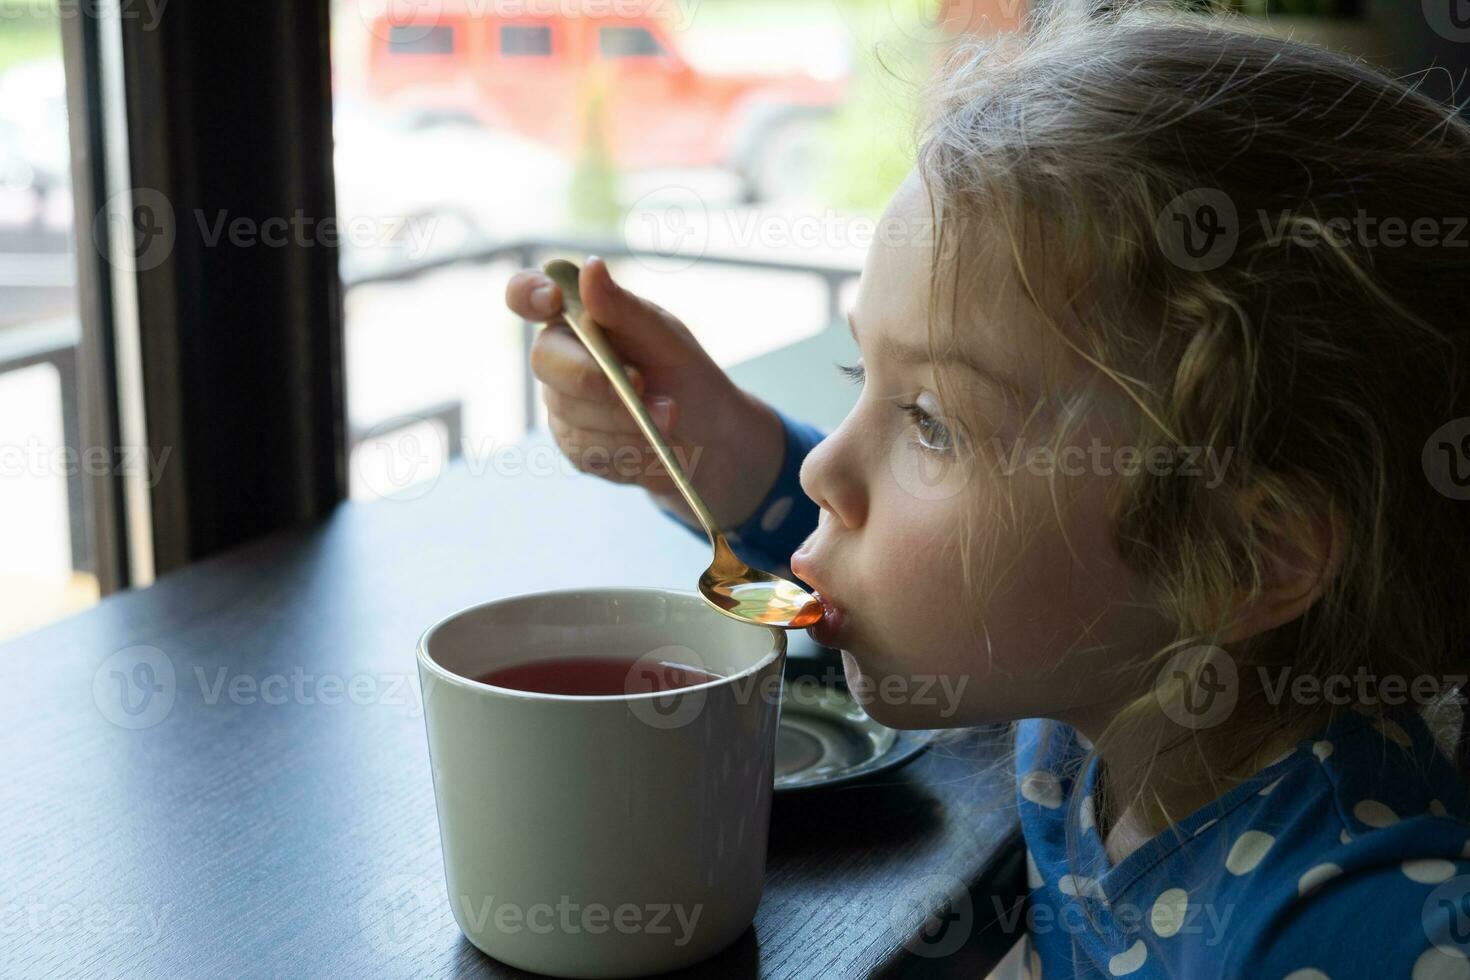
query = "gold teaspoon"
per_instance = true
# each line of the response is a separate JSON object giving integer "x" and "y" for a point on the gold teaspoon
{"x": 729, "y": 584}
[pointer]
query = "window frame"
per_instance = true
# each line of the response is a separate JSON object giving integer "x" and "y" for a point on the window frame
{"x": 240, "y": 346}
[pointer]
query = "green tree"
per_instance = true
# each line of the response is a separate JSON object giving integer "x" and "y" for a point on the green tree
{"x": 594, "y": 207}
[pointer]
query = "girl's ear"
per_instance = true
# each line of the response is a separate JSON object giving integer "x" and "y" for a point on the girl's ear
{"x": 1298, "y": 550}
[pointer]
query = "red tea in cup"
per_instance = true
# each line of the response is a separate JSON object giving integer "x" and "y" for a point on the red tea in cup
{"x": 597, "y": 676}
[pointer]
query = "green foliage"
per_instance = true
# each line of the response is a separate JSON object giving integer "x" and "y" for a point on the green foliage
{"x": 872, "y": 137}
{"x": 593, "y": 202}
{"x": 27, "y": 31}
{"x": 870, "y": 140}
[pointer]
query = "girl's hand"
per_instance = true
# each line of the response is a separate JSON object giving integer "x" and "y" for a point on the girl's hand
{"x": 729, "y": 442}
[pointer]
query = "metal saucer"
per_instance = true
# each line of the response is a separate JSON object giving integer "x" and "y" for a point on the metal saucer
{"x": 825, "y": 737}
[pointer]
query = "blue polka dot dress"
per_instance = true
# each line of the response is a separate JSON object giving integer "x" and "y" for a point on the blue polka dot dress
{"x": 1349, "y": 857}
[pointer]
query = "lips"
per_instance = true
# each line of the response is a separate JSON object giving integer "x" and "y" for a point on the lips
{"x": 826, "y": 630}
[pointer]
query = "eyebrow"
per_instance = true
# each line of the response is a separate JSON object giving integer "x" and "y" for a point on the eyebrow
{"x": 914, "y": 354}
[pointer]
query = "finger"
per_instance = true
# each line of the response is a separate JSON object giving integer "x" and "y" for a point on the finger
{"x": 597, "y": 414}
{"x": 611, "y": 457}
{"x": 533, "y": 296}
{"x": 643, "y": 332}
{"x": 559, "y": 360}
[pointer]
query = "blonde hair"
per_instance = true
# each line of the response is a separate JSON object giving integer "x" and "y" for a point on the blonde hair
{"x": 1323, "y": 360}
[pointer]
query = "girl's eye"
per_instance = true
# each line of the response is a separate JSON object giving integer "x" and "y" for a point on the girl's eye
{"x": 934, "y": 435}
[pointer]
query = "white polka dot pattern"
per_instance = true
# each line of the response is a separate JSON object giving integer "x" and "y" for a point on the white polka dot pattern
{"x": 776, "y": 513}
{"x": 1169, "y": 912}
{"x": 1129, "y": 961}
{"x": 1247, "y": 851}
{"x": 1314, "y": 878}
{"x": 1441, "y": 963}
{"x": 1041, "y": 787}
{"x": 1429, "y": 871}
{"x": 1375, "y": 814}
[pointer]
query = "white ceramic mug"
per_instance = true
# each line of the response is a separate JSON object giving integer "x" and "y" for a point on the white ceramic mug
{"x": 602, "y": 836}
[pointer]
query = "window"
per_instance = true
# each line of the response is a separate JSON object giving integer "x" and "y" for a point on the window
{"x": 46, "y": 561}
{"x": 523, "y": 41}
{"x": 628, "y": 42}
{"x": 749, "y": 225}
{"x": 419, "y": 39}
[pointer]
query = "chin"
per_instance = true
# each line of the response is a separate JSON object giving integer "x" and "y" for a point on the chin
{"x": 893, "y": 714}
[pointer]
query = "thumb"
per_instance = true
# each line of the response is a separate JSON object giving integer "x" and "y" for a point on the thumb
{"x": 640, "y": 330}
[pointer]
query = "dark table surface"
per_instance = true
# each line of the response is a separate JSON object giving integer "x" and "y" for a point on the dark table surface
{"x": 267, "y": 809}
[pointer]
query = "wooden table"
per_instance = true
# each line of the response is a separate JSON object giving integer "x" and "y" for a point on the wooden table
{"x": 269, "y": 812}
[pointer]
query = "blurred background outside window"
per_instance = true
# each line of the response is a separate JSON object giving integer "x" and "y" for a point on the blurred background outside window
{"x": 730, "y": 158}
{"x": 45, "y": 558}
{"x": 685, "y": 133}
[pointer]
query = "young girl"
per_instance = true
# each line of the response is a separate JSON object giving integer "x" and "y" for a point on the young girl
{"x": 1160, "y": 449}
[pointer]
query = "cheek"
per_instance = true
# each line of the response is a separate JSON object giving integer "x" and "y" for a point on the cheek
{"x": 929, "y": 622}
{"x": 941, "y": 622}
{"x": 921, "y": 542}
{"x": 1045, "y": 611}
{"x": 1062, "y": 607}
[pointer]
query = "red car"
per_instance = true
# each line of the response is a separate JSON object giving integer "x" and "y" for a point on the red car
{"x": 541, "y": 76}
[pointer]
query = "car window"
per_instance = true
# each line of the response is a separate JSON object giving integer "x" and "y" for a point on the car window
{"x": 420, "y": 39}
{"x": 522, "y": 41}
{"x": 628, "y": 42}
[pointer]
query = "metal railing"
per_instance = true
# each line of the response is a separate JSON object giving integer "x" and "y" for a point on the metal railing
{"x": 530, "y": 252}
{"x": 55, "y": 342}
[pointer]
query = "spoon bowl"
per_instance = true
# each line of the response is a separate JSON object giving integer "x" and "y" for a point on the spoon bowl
{"x": 729, "y": 585}
{"x": 755, "y": 596}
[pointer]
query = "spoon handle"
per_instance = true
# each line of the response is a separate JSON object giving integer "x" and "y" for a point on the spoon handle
{"x": 566, "y": 275}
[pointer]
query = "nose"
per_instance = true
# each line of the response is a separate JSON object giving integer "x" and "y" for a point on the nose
{"x": 832, "y": 475}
